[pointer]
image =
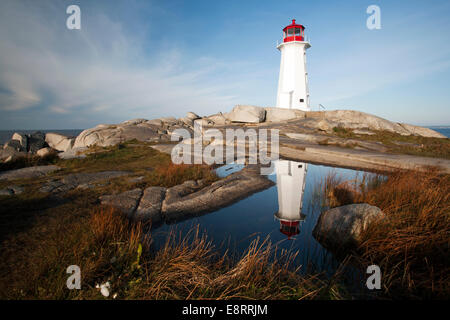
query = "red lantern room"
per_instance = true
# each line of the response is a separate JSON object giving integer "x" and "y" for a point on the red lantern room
{"x": 294, "y": 32}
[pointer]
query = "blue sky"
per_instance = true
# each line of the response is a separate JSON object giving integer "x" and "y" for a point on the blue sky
{"x": 147, "y": 59}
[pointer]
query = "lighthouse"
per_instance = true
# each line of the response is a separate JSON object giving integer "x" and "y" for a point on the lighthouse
{"x": 293, "y": 90}
{"x": 291, "y": 177}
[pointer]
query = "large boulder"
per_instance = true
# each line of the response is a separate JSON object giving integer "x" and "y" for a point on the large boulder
{"x": 351, "y": 119}
{"x": 22, "y": 138}
{"x": 36, "y": 141}
{"x": 341, "y": 227}
{"x": 247, "y": 114}
{"x": 282, "y": 114}
{"x": 14, "y": 145}
{"x": 108, "y": 135}
{"x": 59, "y": 142}
{"x": 218, "y": 119}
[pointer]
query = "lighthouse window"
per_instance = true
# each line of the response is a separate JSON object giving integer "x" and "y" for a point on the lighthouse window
{"x": 302, "y": 100}
{"x": 297, "y": 31}
{"x": 290, "y": 32}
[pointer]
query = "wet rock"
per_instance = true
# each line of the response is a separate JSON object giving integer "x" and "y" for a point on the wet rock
{"x": 149, "y": 208}
{"x": 127, "y": 201}
{"x": 189, "y": 199}
{"x": 28, "y": 173}
{"x": 340, "y": 228}
{"x": 247, "y": 114}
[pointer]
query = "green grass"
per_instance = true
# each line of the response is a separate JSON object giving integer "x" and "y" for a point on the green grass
{"x": 396, "y": 143}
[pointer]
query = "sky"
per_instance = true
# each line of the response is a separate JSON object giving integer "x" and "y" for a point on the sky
{"x": 149, "y": 59}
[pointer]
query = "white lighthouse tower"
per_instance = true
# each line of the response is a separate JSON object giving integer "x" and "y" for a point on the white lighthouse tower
{"x": 291, "y": 178}
{"x": 293, "y": 90}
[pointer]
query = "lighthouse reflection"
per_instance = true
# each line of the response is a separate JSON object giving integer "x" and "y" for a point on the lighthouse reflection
{"x": 291, "y": 177}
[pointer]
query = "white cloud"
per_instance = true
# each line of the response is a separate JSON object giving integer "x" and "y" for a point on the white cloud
{"x": 99, "y": 69}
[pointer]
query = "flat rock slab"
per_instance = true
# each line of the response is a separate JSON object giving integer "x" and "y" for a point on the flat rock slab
{"x": 83, "y": 180}
{"x": 27, "y": 173}
{"x": 188, "y": 199}
{"x": 127, "y": 201}
{"x": 181, "y": 204}
{"x": 150, "y": 205}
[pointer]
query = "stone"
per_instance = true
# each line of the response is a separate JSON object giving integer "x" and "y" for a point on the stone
{"x": 8, "y": 154}
{"x": 44, "y": 152}
{"x": 74, "y": 153}
{"x": 149, "y": 208}
{"x": 28, "y": 173}
{"x": 247, "y": 114}
{"x": 83, "y": 179}
{"x": 126, "y": 201}
{"x": 204, "y": 122}
{"x": 190, "y": 199}
{"x": 112, "y": 135}
{"x": 421, "y": 131}
{"x": 282, "y": 114}
{"x": 341, "y": 227}
{"x": 59, "y": 142}
{"x": 365, "y": 132}
{"x": 218, "y": 119}
{"x": 14, "y": 145}
{"x": 22, "y": 138}
{"x": 192, "y": 116}
{"x": 36, "y": 141}
{"x": 155, "y": 122}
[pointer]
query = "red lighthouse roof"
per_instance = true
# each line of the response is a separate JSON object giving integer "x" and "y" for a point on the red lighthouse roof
{"x": 294, "y": 32}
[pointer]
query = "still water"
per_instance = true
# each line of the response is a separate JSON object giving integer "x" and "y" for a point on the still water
{"x": 286, "y": 213}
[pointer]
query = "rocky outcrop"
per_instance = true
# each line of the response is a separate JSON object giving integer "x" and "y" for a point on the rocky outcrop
{"x": 149, "y": 208}
{"x": 188, "y": 199}
{"x": 155, "y": 130}
{"x": 81, "y": 180}
{"x": 247, "y": 114}
{"x": 28, "y": 173}
{"x": 281, "y": 114}
{"x": 421, "y": 131}
{"x": 340, "y": 228}
{"x": 127, "y": 201}
{"x": 351, "y": 119}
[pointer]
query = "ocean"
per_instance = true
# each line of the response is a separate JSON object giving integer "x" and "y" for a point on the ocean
{"x": 5, "y": 135}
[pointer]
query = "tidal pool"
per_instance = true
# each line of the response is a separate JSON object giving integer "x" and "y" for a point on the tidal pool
{"x": 285, "y": 214}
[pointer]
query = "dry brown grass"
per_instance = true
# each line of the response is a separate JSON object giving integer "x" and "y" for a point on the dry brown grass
{"x": 412, "y": 244}
{"x": 108, "y": 248}
{"x": 174, "y": 174}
